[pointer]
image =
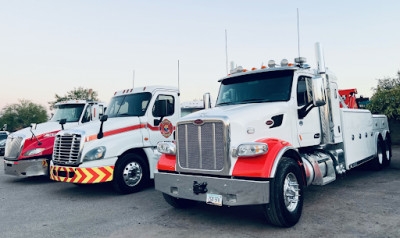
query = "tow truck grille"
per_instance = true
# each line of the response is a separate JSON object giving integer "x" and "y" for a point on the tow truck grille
{"x": 13, "y": 147}
{"x": 202, "y": 147}
{"x": 67, "y": 149}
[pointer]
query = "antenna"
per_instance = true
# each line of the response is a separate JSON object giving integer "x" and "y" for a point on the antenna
{"x": 298, "y": 32}
{"x": 133, "y": 79}
{"x": 226, "y": 51}
{"x": 179, "y": 88}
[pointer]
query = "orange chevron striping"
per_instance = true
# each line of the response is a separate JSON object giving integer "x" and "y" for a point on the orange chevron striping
{"x": 94, "y": 175}
{"x": 83, "y": 175}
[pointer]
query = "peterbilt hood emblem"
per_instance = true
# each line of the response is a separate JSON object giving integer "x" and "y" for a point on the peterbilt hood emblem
{"x": 198, "y": 122}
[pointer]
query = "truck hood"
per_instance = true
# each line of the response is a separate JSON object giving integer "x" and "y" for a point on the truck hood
{"x": 249, "y": 121}
{"x": 44, "y": 128}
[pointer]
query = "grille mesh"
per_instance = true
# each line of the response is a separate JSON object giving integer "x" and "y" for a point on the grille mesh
{"x": 13, "y": 148}
{"x": 66, "y": 149}
{"x": 201, "y": 147}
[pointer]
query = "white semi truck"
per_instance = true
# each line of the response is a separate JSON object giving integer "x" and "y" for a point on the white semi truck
{"x": 28, "y": 151}
{"x": 274, "y": 131}
{"x": 121, "y": 147}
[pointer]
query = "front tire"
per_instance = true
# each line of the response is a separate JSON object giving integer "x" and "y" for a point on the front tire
{"x": 131, "y": 174}
{"x": 286, "y": 200}
{"x": 178, "y": 202}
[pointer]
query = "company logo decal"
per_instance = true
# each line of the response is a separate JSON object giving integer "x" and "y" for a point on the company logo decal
{"x": 166, "y": 128}
{"x": 198, "y": 122}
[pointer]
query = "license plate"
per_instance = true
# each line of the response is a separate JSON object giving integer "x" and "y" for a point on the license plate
{"x": 214, "y": 199}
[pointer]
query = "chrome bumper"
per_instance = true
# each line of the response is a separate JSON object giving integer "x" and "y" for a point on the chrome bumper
{"x": 26, "y": 168}
{"x": 235, "y": 192}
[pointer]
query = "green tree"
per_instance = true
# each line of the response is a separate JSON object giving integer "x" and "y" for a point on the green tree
{"x": 22, "y": 114}
{"x": 79, "y": 93}
{"x": 386, "y": 98}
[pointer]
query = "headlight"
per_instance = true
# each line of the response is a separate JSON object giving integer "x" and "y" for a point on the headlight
{"x": 2, "y": 142}
{"x": 95, "y": 154}
{"x": 33, "y": 152}
{"x": 166, "y": 148}
{"x": 252, "y": 149}
{"x": 53, "y": 134}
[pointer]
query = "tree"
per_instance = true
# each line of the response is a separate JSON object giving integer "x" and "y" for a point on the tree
{"x": 79, "y": 93}
{"x": 22, "y": 114}
{"x": 386, "y": 98}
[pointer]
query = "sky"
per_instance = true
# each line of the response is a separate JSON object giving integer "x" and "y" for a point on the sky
{"x": 50, "y": 47}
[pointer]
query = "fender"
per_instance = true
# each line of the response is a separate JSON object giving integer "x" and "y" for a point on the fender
{"x": 263, "y": 166}
{"x": 167, "y": 162}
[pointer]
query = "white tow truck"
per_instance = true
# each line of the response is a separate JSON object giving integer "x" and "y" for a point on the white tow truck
{"x": 274, "y": 131}
{"x": 28, "y": 151}
{"x": 121, "y": 147}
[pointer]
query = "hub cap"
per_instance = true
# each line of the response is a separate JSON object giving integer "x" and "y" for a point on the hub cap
{"x": 291, "y": 192}
{"x": 132, "y": 174}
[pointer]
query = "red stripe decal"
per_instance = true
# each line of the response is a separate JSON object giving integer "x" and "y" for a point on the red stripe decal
{"x": 153, "y": 128}
{"x": 117, "y": 131}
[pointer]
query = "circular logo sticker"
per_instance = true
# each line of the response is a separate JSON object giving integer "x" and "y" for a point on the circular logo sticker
{"x": 166, "y": 128}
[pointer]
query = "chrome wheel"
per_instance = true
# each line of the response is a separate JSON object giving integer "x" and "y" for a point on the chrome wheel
{"x": 291, "y": 192}
{"x": 132, "y": 174}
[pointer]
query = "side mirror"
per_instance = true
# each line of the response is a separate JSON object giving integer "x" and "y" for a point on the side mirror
{"x": 207, "y": 100}
{"x": 104, "y": 118}
{"x": 62, "y": 122}
{"x": 33, "y": 126}
{"x": 318, "y": 91}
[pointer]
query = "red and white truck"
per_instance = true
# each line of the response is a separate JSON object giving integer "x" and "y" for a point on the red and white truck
{"x": 273, "y": 132}
{"x": 28, "y": 151}
{"x": 121, "y": 147}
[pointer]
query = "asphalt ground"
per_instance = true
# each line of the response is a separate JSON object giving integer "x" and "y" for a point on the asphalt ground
{"x": 364, "y": 203}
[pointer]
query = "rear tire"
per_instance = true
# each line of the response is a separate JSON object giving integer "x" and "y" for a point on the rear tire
{"x": 378, "y": 162}
{"x": 388, "y": 152}
{"x": 131, "y": 174}
{"x": 286, "y": 197}
{"x": 178, "y": 202}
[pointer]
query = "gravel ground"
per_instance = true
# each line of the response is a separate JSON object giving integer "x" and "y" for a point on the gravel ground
{"x": 364, "y": 203}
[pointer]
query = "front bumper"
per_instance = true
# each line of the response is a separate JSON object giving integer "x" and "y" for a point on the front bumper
{"x": 81, "y": 175}
{"x": 27, "y": 168}
{"x": 235, "y": 192}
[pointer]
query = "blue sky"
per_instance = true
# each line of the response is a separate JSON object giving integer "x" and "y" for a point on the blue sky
{"x": 49, "y": 47}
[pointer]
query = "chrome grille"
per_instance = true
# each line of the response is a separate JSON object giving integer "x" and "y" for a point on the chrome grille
{"x": 13, "y": 147}
{"x": 67, "y": 149}
{"x": 202, "y": 147}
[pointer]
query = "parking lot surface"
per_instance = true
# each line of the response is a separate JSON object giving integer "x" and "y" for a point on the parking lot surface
{"x": 363, "y": 203}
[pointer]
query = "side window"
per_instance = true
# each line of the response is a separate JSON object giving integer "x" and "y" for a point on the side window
{"x": 164, "y": 106}
{"x": 87, "y": 115}
{"x": 302, "y": 94}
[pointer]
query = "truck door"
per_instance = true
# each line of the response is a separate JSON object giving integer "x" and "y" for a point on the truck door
{"x": 162, "y": 118}
{"x": 308, "y": 128}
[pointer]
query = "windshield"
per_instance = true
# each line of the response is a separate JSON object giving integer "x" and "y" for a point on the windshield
{"x": 71, "y": 112}
{"x": 3, "y": 136}
{"x": 252, "y": 88}
{"x": 129, "y": 105}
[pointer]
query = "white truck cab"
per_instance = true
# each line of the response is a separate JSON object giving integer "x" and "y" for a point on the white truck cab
{"x": 121, "y": 147}
{"x": 273, "y": 131}
{"x": 28, "y": 151}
